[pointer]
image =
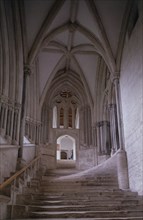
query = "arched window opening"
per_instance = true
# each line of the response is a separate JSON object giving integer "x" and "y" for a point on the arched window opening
{"x": 70, "y": 118}
{"x": 61, "y": 118}
{"x": 54, "y": 117}
{"x": 77, "y": 118}
{"x": 65, "y": 111}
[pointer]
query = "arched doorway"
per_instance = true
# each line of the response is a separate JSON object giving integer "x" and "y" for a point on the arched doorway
{"x": 66, "y": 148}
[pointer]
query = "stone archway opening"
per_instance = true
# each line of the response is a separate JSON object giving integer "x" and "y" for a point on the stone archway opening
{"x": 66, "y": 148}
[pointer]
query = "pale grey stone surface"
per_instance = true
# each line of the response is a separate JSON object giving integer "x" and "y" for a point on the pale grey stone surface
{"x": 132, "y": 106}
{"x": 8, "y": 160}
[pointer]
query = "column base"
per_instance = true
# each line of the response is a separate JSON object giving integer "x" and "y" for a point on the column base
{"x": 113, "y": 151}
{"x": 122, "y": 169}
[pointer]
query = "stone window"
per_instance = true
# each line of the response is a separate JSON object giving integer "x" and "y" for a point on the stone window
{"x": 70, "y": 118}
{"x": 61, "y": 118}
{"x": 65, "y": 110}
{"x": 55, "y": 117}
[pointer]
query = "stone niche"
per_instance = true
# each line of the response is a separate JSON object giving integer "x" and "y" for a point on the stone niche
{"x": 8, "y": 160}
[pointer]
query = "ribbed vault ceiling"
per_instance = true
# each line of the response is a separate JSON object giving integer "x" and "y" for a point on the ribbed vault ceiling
{"x": 71, "y": 35}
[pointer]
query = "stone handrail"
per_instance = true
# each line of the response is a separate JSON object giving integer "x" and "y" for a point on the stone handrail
{"x": 17, "y": 174}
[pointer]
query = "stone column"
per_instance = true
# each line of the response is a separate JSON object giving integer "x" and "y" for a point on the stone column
{"x": 94, "y": 143}
{"x": 118, "y": 104}
{"x": 5, "y": 117}
{"x": 1, "y": 117}
{"x": 27, "y": 72}
{"x": 104, "y": 137}
{"x": 81, "y": 125}
{"x": 122, "y": 169}
{"x": 101, "y": 137}
{"x": 85, "y": 125}
{"x": 113, "y": 128}
{"x": 58, "y": 117}
{"x": 122, "y": 164}
{"x": 98, "y": 137}
{"x": 73, "y": 118}
{"x": 45, "y": 124}
{"x": 12, "y": 122}
{"x": 7, "y": 122}
{"x": 89, "y": 126}
{"x": 66, "y": 117}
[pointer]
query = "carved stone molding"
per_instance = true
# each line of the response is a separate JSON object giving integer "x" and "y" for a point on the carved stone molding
{"x": 102, "y": 123}
{"x": 27, "y": 70}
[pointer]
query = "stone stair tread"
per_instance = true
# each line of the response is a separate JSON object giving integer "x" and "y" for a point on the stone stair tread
{"x": 93, "y": 198}
{"x": 89, "y": 198}
{"x": 63, "y": 212}
{"x": 120, "y": 192}
{"x": 98, "y": 196}
{"x": 116, "y": 218}
{"x": 57, "y": 206}
{"x": 77, "y": 214}
{"x": 83, "y": 208}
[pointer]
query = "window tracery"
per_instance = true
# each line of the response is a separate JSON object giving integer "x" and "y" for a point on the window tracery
{"x": 65, "y": 110}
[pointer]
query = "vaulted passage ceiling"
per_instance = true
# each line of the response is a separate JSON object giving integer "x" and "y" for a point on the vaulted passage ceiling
{"x": 71, "y": 35}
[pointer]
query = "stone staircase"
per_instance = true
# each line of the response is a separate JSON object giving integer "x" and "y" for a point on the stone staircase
{"x": 56, "y": 196}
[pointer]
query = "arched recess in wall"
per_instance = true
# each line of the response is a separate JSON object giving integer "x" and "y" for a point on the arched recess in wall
{"x": 67, "y": 108}
{"x": 65, "y": 98}
{"x": 66, "y": 148}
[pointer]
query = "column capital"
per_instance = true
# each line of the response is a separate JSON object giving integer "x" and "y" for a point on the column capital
{"x": 111, "y": 106}
{"x": 27, "y": 70}
{"x": 102, "y": 123}
{"x": 115, "y": 77}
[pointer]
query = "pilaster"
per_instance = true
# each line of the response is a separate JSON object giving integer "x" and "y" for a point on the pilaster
{"x": 27, "y": 72}
{"x": 115, "y": 80}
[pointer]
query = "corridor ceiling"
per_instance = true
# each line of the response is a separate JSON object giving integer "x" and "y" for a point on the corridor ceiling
{"x": 71, "y": 35}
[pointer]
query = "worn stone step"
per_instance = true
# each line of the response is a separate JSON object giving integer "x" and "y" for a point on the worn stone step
{"x": 95, "y": 182}
{"x": 87, "y": 198}
{"x": 116, "y": 218}
{"x": 86, "y": 202}
{"x": 106, "y": 207}
{"x": 106, "y": 192}
{"x": 76, "y": 189}
{"x": 87, "y": 214}
{"x": 88, "y": 195}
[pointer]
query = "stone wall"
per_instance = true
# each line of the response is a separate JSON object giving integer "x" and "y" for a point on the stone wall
{"x": 29, "y": 152}
{"x": 86, "y": 158}
{"x": 8, "y": 160}
{"x": 132, "y": 105}
{"x": 48, "y": 157}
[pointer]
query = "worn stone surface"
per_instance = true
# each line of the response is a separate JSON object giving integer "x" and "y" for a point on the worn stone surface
{"x": 132, "y": 105}
{"x": 29, "y": 152}
{"x": 8, "y": 160}
{"x": 84, "y": 195}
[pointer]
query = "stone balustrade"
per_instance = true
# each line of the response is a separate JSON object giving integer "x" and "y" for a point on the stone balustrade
{"x": 15, "y": 185}
{"x": 33, "y": 130}
{"x": 9, "y": 119}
